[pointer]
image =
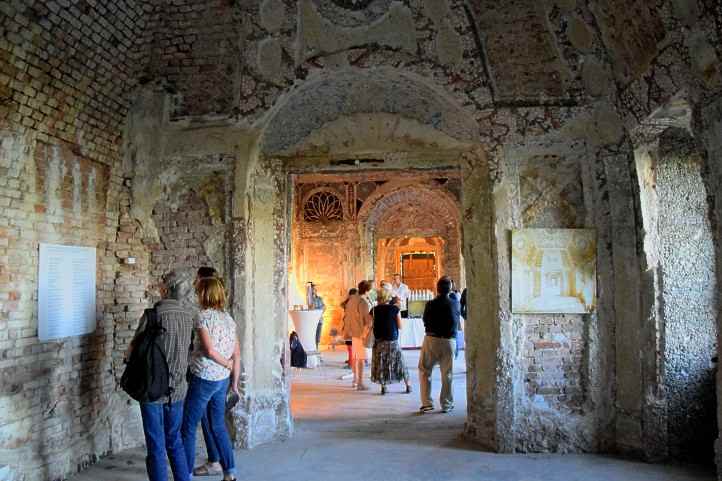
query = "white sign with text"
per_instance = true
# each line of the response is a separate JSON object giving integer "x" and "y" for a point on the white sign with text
{"x": 66, "y": 291}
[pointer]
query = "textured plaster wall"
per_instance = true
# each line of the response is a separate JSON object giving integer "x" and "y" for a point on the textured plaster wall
{"x": 708, "y": 125}
{"x": 688, "y": 289}
{"x": 680, "y": 258}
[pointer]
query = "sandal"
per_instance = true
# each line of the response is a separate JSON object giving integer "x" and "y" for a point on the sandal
{"x": 208, "y": 469}
{"x": 408, "y": 388}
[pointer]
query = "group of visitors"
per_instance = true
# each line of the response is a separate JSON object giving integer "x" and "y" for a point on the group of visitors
{"x": 374, "y": 325}
{"x": 201, "y": 348}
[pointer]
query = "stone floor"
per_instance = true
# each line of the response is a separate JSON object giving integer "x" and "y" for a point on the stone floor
{"x": 346, "y": 435}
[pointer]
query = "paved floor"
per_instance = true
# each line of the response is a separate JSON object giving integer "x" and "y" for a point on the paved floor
{"x": 362, "y": 436}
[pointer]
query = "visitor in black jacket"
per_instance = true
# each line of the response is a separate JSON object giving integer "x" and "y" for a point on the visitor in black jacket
{"x": 441, "y": 318}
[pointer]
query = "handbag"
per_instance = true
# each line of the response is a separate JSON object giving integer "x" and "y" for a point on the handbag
{"x": 368, "y": 337}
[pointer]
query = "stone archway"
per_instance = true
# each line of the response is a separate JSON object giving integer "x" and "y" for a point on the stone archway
{"x": 351, "y": 121}
{"x": 404, "y": 209}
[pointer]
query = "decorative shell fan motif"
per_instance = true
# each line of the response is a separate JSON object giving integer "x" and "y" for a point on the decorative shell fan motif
{"x": 322, "y": 207}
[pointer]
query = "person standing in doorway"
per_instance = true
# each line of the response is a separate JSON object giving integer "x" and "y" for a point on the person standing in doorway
{"x": 162, "y": 418}
{"x": 317, "y": 303}
{"x": 358, "y": 324}
{"x": 346, "y": 337}
{"x": 403, "y": 292}
{"x": 387, "y": 364}
{"x": 441, "y": 317}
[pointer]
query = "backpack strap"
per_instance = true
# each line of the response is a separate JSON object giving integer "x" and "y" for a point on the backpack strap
{"x": 151, "y": 317}
{"x": 154, "y": 323}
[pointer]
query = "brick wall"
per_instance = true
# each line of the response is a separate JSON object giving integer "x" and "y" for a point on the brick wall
{"x": 61, "y": 409}
{"x": 552, "y": 354}
{"x": 66, "y": 70}
{"x": 196, "y": 47}
{"x": 184, "y": 229}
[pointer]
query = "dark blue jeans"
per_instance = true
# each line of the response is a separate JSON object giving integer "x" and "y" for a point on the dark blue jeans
{"x": 161, "y": 426}
{"x": 211, "y": 447}
{"x": 207, "y": 397}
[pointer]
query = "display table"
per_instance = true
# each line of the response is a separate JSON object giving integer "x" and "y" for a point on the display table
{"x": 412, "y": 334}
{"x": 305, "y": 323}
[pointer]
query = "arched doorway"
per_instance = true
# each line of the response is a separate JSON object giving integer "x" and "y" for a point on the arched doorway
{"x": 414, "y": 128}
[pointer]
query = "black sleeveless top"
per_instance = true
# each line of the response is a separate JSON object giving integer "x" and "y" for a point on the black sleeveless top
{"x": 385, "y": 328}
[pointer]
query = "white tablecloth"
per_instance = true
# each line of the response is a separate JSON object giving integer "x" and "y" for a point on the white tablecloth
{"x": 412, "y": 335}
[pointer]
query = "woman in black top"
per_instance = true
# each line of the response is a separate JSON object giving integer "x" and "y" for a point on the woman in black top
{"x": 387, "y": 362}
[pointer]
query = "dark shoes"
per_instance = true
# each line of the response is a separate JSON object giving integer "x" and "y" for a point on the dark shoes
{"x": 383, "y": 389}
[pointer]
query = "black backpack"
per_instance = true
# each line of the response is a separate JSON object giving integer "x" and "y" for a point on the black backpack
{"x": 298, "y": 353}
{"x": 146, "y": 377}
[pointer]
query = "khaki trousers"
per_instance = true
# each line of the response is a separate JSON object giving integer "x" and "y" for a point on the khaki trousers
{"x": 436, "y": 350}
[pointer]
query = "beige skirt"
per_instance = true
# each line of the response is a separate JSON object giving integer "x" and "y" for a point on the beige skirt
{"x": 358, "y": 349}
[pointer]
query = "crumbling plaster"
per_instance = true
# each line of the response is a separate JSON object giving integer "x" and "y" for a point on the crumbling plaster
{"x": 267, "y": 84}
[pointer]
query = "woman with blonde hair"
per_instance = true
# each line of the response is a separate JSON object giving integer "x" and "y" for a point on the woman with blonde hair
{"x": 387, "y": 362}
{"x": 215, "y": 362}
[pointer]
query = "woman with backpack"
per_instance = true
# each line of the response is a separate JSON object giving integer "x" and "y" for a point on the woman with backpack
{"x": 215, "y": 362}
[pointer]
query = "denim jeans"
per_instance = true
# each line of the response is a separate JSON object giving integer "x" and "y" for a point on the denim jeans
{"x": 161, "y": 426}
{"x": 207, "y": 397}
{"x": 459, "y": 343}
{"x": 211, "y": 447}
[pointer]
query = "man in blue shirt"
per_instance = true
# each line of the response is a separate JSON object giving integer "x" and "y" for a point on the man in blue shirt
{"x": 441, "y": 319}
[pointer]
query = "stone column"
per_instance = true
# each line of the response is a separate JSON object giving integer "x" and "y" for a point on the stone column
{"x": 260, "y": 259}
{"x": 489, "y": 419}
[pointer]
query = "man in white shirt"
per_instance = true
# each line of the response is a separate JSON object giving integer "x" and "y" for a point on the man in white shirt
{"x": 403, "y": 292}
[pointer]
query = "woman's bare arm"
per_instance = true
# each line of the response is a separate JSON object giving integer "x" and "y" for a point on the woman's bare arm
{"x": 236, "y": 372}
{"x": 210, "y": 352}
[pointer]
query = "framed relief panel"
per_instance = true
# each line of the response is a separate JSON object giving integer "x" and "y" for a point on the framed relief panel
{"x": 553, "y": 271}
